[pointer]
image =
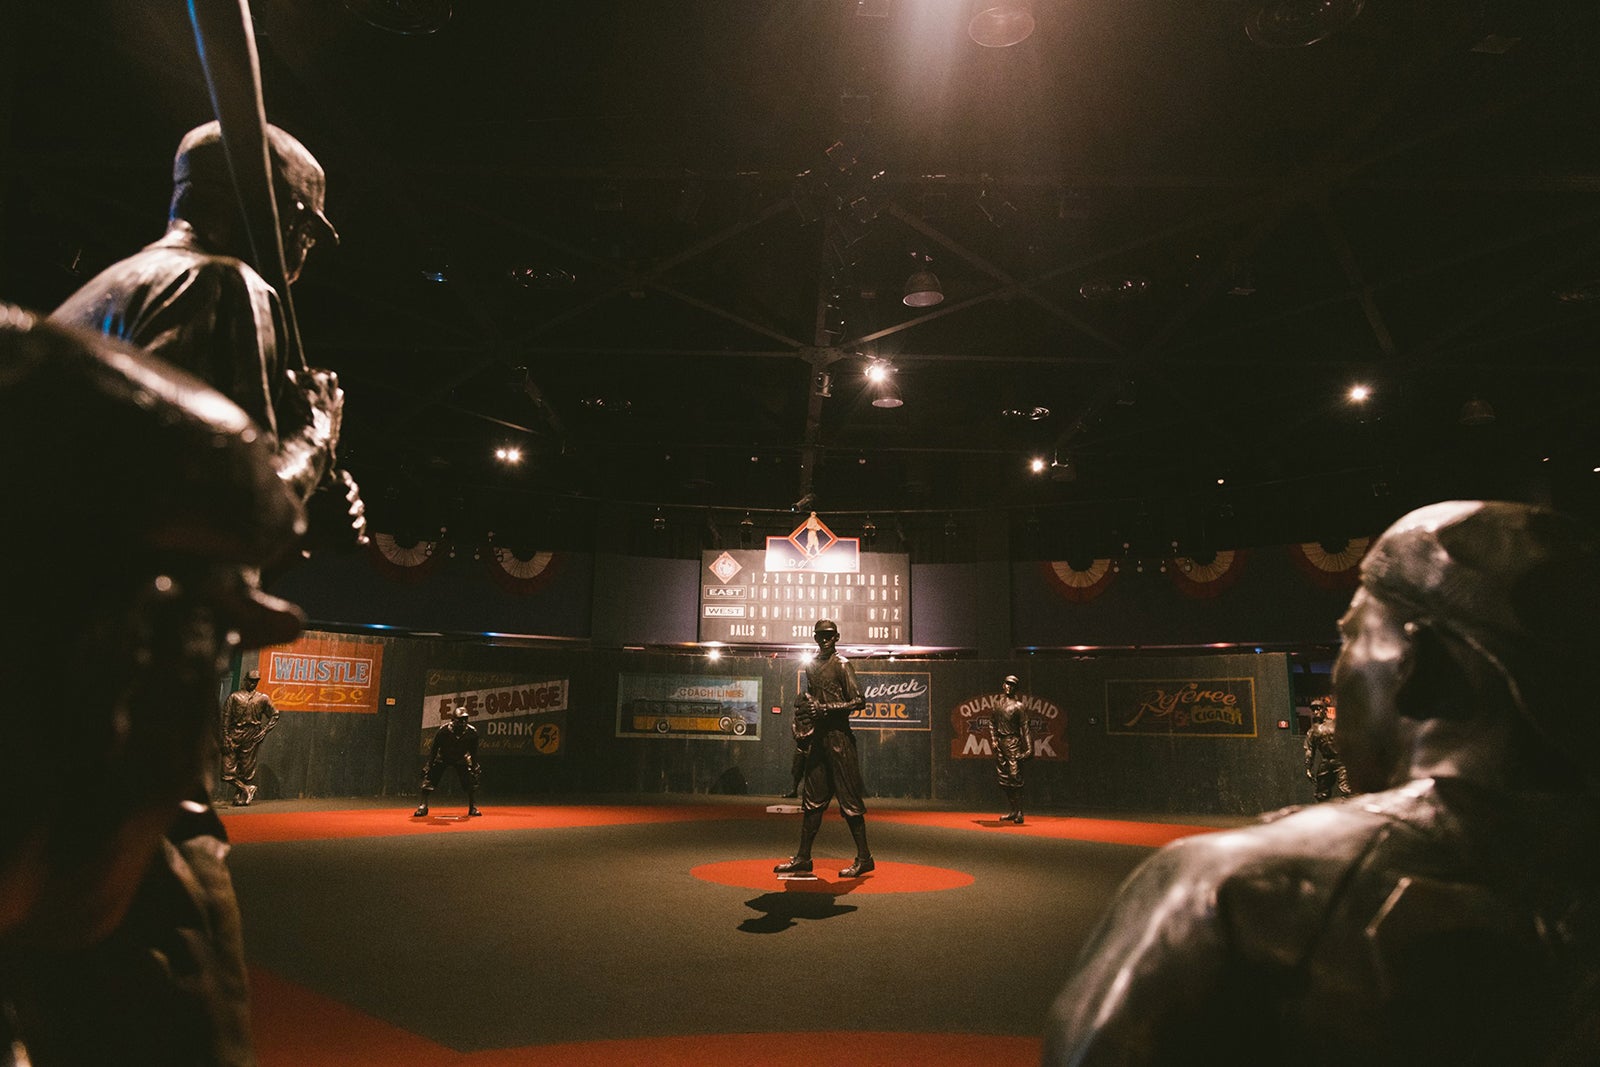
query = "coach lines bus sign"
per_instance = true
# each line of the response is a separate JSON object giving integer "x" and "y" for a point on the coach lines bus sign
{"x": 775, "y": 597}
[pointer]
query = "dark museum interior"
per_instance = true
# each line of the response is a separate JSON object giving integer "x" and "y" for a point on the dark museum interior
{"x": 1105, "y": 336}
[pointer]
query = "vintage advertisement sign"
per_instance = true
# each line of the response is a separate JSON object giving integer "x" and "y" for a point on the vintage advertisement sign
{"x": 513, "y": 716}
{"x": 775, "y": 597}
{"x": 1182, "y": 707}
{"x": 896, "y": 700}
{"x": 972, "y": 719}
{"x": 689, "y": 705}
{"x": 323, "y": 672}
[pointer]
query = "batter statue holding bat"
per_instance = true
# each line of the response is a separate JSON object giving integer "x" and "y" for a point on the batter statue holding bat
{"x": 192, "y": 299}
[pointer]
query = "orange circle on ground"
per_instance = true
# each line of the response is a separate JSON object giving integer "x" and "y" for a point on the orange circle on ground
{"x": 887, "y": 877}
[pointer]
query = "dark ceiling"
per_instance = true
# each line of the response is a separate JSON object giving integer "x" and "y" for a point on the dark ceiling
{"x": 661, "y": 223}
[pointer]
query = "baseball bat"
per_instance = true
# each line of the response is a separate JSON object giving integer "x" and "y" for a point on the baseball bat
{"x": 227, "y": 45}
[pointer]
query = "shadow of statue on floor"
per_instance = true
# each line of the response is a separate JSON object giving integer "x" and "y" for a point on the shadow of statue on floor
{"x": 782, "y": 910}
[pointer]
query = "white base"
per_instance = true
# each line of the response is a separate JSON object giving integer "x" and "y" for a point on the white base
{"x": 784, "y": 809}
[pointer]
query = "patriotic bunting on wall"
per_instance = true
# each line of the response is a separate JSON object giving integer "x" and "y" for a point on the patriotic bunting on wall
{"x": 1208, "y": 579}
{"x": 519, "y": 574}
{"x": 1080, "y": 585}
{"x": 403, "y": 562}
{"x": 1338, "y": 569}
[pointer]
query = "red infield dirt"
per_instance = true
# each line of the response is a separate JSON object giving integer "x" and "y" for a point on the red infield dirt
{"x": 395, "y": 822}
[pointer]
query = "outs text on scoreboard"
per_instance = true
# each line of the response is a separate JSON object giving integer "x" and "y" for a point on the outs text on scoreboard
{"x": 775, "y": 597}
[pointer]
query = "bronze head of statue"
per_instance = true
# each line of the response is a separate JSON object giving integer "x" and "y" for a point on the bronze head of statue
{"x": 826, "y": 633}
{"x": 1471, "y": 614}
{"x": 202, "y": 193}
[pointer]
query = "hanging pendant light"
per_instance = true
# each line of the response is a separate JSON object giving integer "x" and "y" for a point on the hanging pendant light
{"x": 922, "y": 288}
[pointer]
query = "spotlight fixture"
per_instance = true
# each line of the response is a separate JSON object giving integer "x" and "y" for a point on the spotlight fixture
{"x": 886, "y": 393}
{"x": 1476, "y": 412}
{"x": 1584, "y": 292}
{"x": 713, "y": 653}
{"x": 1037, "y": 464}
{"x": 1298, "y": 23}
{"x": 508, "y": 454}
{"x": 408, "y": 18}
{"x": 1108, "y": 290}
{"x": 922, "y": 287}
{"x": 1026, "y": 412}
{"x": 1001, "y": 23}
{"x": 534, "y": 276}
{"x": 1360, "y": 393}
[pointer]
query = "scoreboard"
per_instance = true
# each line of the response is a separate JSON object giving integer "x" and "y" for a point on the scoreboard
{"x": 758, "y": 606}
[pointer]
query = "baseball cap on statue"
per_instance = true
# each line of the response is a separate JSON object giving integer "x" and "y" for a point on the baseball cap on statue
{"x": 1520, "y": 584}
{"x": 202, "y": 160}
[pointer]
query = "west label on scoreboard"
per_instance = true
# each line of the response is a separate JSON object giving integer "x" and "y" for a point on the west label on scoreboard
{"x": 775, "y": 597}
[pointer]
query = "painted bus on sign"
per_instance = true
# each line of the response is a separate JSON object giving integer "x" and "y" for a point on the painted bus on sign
{"x": 689, "y": 717}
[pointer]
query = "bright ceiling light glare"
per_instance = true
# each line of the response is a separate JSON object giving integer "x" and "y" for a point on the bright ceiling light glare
{"x": 508, "y": 455}
{"x": 877, "y": 372}
{"x": 1360, "y": 393}
{"x": 1037, "y": 464}
{"x": 713, "y": 653}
